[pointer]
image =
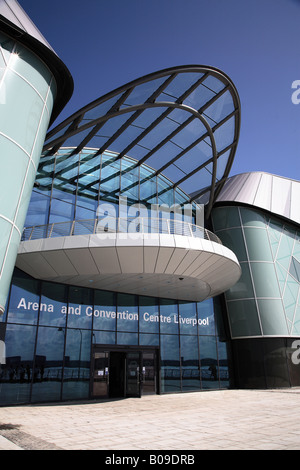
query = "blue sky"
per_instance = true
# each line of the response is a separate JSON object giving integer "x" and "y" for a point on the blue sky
{"x": 107, "y": 43}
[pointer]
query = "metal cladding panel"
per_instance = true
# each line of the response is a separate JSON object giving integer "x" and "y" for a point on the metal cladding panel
{"x": 11, "y": 10}
{"x": 273, "y": 193}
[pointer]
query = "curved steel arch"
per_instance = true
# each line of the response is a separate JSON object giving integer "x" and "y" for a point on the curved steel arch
{"x": 84, "y": 128}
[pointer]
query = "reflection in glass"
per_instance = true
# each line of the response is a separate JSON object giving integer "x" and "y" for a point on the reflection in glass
{"x": 209, "y": 362}
{"x": 16, "y": 374}
{"x": 190, "y": 363}
{"x": 48, "y": 364}
{"x": 77, "y": 364}
{"x": 170, "y": 363}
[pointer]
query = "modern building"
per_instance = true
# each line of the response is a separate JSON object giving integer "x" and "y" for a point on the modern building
{"x": 131, "y": 263}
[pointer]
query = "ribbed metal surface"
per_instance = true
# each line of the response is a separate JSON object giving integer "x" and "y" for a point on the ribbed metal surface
{"x": 273, "y": 193}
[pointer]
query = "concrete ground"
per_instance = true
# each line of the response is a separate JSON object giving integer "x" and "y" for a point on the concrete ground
{"x": 211, "y": 420}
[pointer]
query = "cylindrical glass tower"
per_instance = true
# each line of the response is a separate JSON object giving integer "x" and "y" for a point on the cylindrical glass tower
{"x": 31, "y": 95}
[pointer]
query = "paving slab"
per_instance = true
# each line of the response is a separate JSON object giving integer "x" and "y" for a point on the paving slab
{"x": 210, "y": 420}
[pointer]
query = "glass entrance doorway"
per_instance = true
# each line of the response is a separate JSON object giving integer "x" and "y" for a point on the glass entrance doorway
{"x": 119, "y": 373}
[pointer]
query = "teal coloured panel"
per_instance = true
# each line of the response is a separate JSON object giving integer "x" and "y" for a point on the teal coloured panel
{"x": 251, "y": 218}
{"x": 9, "y": 265}
{"x": 7, "y": 45}
{"x": 281, "y": 276}
{"x": 225, "y": 217}
{"x": 285, "y": 250}
{"x": 272, "y": 317}
{"x": 25, "y": 197}
{"x": 243, "y": 318}
{"x": 243, "y": 289}
{"x": 258, "y": 244}
{"x": 290, "y": 297}
{"x": 234, "y": 240}
{"x": 13, "y": 165}
{"x": 5, "y": 229}
{"x": 265, "y": 280}
{"x": 40, "y": 137}
{"x": 32, "y": 68}
{"x": 21, "y": 112}
{"x": 296, "y": 324}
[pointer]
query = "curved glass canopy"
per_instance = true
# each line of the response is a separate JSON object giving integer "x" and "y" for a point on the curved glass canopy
{"x": 183, "y": 121}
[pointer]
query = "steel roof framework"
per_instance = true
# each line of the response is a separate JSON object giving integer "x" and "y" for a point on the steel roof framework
{"x": 153, "y": 100}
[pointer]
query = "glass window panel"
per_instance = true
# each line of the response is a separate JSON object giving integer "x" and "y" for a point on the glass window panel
{"x": 27, "y": 64}
{"x": 149, "y": 315}
{"x": 252, "y": 218}
{"x": 61, "y": 211}
{"x": 290, "y": 297}
{"x": 265, "y": 280}
{"x": 53, "y": 303}
{"x": 48, "y": 364}
{"x": 222, "y": 163}
{"x": 160, "y": 132}
{"x": 243, "y": 318}
{"x": 110, "y": 174}
{"x": 17, "y": 119}
{"x": 199, "y": 97}
{"x": 104, "y": 310}
{"x": 201, "y": 179}
{"x": 38, "y": 210}
{"x": 104, "y": 337}
{"x": 127, "y": 137}
{"x": 24, "y": 299}
{"x": 188, "y": 318}
{"x": 285, "y": 250}
{"x": 234, "y": 240}
{"x": 130, "y": 181}
{"x": 243, "y": 289}
{"x": 16, "y": 374}
{"x": 142, "y": 92}
{"x": 112, "y": 126}
{"x": 295, "y": 269}
{"x": 221, "y": 107}
{"x": 86, "y": 213}
{"x": 77, "y": 364}
{"x": 168, "y": 316}
{"x": 179, "y": 85}
{"x": 147, "y": 117}
{"x": 127, "y": 312}
{"x": 224, "y": 135}
{"x": 258, "y": 244}
{"x": 101, "y": 109}
{"x": 225, "y": 217}
{"x": 127, "y": 338}
{"x": 209, "y": 362}
{"x": 272, "y": 317}
{"x": 206, "y": 319}
{"x": 149, "y": 339}
{"x": 213, "y": 83}
{"x": 196, "y": 156}
{"x": 170, "y": 363}
{"x": 79, "y": 307}
{"x": 164, "y": 155}
{"x": 224, "y": 375}
{"x": 189, "y": 354}
{"x": 189, "y": 133}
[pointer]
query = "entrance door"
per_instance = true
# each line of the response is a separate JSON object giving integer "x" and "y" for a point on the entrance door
{"x": 119, "y": 373}
{"x": 133, "y": 374}
{"x": 101, "y": 377}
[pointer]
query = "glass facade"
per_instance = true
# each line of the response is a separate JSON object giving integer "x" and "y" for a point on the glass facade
{"x": 27, "y": 92}
{"x": 51, "y": 330}
{"x": 263, "y": 307}
{"x": 265, "y": 301}
{"x": 88, "y": 185}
